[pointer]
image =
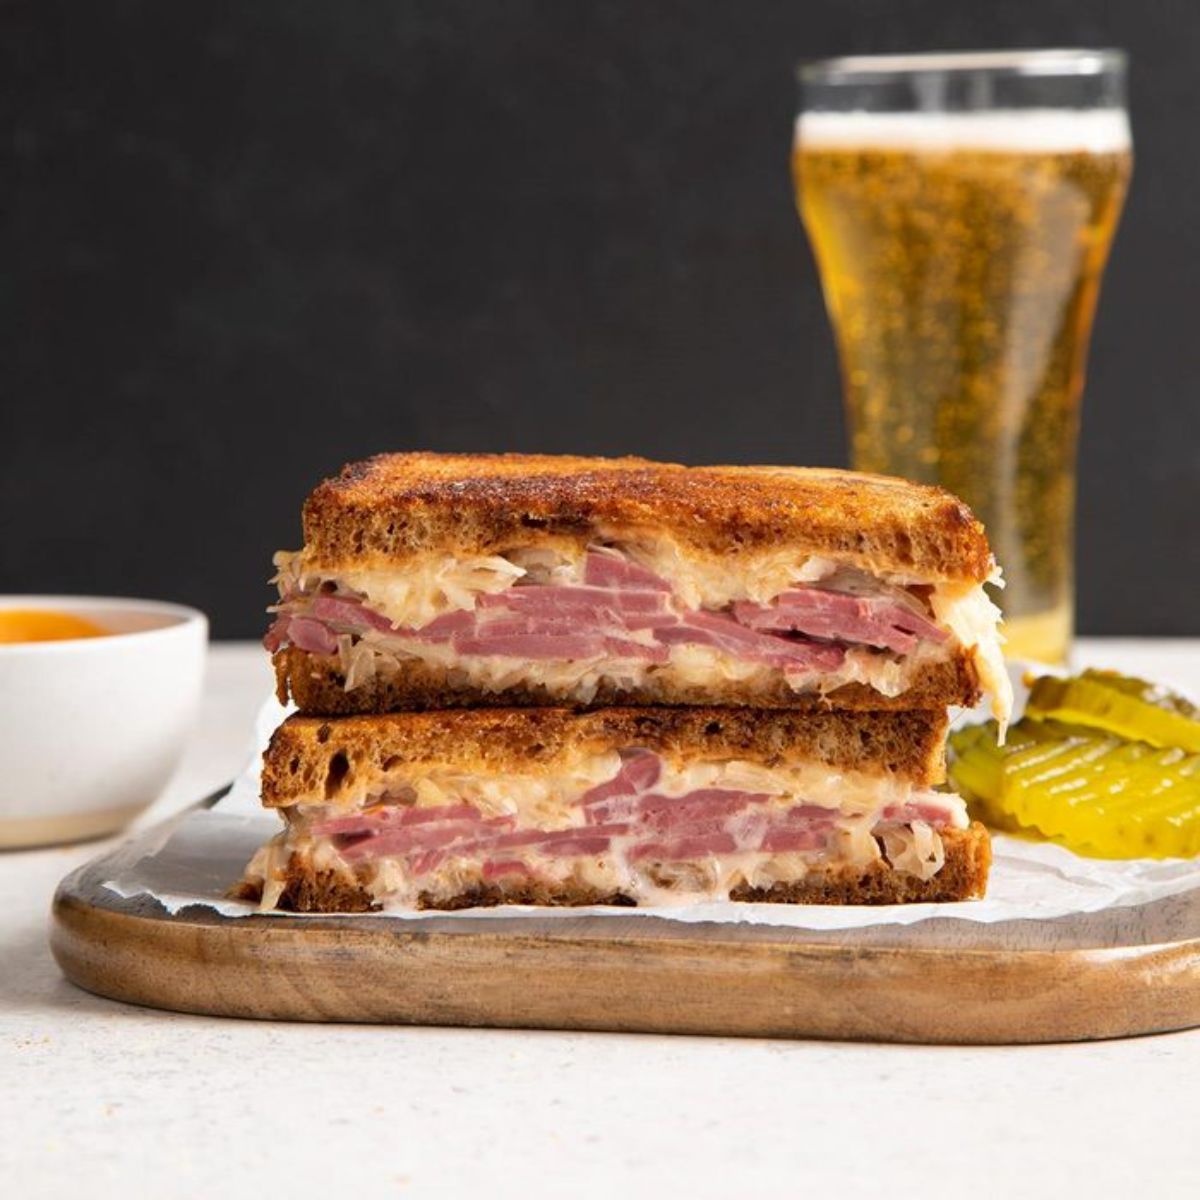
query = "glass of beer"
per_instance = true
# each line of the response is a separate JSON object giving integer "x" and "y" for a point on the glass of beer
{"x": 961, "y": 209}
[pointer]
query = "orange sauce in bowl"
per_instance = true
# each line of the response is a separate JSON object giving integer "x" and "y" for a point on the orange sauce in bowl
{"x": 41, "y": 625}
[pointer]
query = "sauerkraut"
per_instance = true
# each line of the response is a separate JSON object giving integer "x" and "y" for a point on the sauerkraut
{"x": 974, "y": 620}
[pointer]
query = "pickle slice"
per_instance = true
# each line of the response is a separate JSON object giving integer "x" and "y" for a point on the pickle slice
{"x": 1152, "y": 693}
{"x": 1091, "y": 791}
{"x": 975, "y": 775}
{"x": 1164, "y": 822}
{"x": 974, "y": 770}
{"x": 1165, "y": 818}
{"x": 1079, "y": 795}
{"x": 1059, "y": 777}
{"x": 1129, "y": 801}
{"x": 1120, "y": 704}
{"x": 977, "y": 764}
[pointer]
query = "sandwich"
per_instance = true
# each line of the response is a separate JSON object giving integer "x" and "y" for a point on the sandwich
{"x": 435, "y": 581}
{"x": 618, "y": 806}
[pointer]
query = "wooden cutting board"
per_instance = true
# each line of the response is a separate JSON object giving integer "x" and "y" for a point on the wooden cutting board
{"x": 1110, "y": 974}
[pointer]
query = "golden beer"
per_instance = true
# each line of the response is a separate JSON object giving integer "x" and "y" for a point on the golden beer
{"x": 961, "y": 255}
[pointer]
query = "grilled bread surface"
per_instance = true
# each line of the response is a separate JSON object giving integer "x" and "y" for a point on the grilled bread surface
{"x": 394, "y": 506}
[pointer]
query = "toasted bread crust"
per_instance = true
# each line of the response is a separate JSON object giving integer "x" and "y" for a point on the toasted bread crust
{"x": 393, "y": 506}
{"x": 314, "y": 760}
{"x": 963, "y": 877}
{"x": 317, "y": 686}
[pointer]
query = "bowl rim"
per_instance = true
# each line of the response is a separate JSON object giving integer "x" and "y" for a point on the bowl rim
{"x": 185, "y": 617}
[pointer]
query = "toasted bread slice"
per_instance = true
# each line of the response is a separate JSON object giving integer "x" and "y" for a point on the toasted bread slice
{"x": 432, "y": 580}
{"x": 317, "y": 686}
{"x": 612, "y": 806}
{"x": 964, "y": 875}
{"x": 314, "y": 761}
{"x": 396, "y": 506}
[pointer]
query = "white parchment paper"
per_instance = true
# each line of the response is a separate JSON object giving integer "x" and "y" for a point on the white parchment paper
{"x": 200, "y": 857}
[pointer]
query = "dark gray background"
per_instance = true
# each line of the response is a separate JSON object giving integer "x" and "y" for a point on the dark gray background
{"x": 245, "y": 242}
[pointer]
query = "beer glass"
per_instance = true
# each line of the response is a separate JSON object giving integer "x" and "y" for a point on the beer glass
{"x": 961, "y": 208}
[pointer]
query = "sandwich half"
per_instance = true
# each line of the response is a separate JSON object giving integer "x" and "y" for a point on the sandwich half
{"x": 550, "y": 806}
{"x": 433, "y": 581}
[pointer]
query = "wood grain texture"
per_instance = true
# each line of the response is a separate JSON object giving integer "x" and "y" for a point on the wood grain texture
{"x": 1110, "y": 974}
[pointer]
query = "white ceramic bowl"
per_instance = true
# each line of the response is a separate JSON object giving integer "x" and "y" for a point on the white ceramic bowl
{"x": 92, "y": 728}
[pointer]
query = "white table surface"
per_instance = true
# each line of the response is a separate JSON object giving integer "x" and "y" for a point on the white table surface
{"x": 98, "y": 1099}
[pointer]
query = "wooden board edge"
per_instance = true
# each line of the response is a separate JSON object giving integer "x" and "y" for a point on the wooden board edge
{"x": 340, "y": 971}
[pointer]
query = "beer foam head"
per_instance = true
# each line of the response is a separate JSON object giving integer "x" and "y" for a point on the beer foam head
{"x": 1018, "y": 130}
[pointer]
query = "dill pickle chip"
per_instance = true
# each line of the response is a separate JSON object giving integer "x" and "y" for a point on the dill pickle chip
{"x": 1148, "y": 776}
{"x": 960, "y": 740}
{"x": 976, "y": 774}
{"x": 1152, "y": 693}
{"x": 1130, "y": 801}
{"x": 1079, "y": 804}
{"x": 1030, "y": 777}
{"x": 1121, "y": 704}
{"x": 1167, "y": 826}
{"x": 1081, "y": 786}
